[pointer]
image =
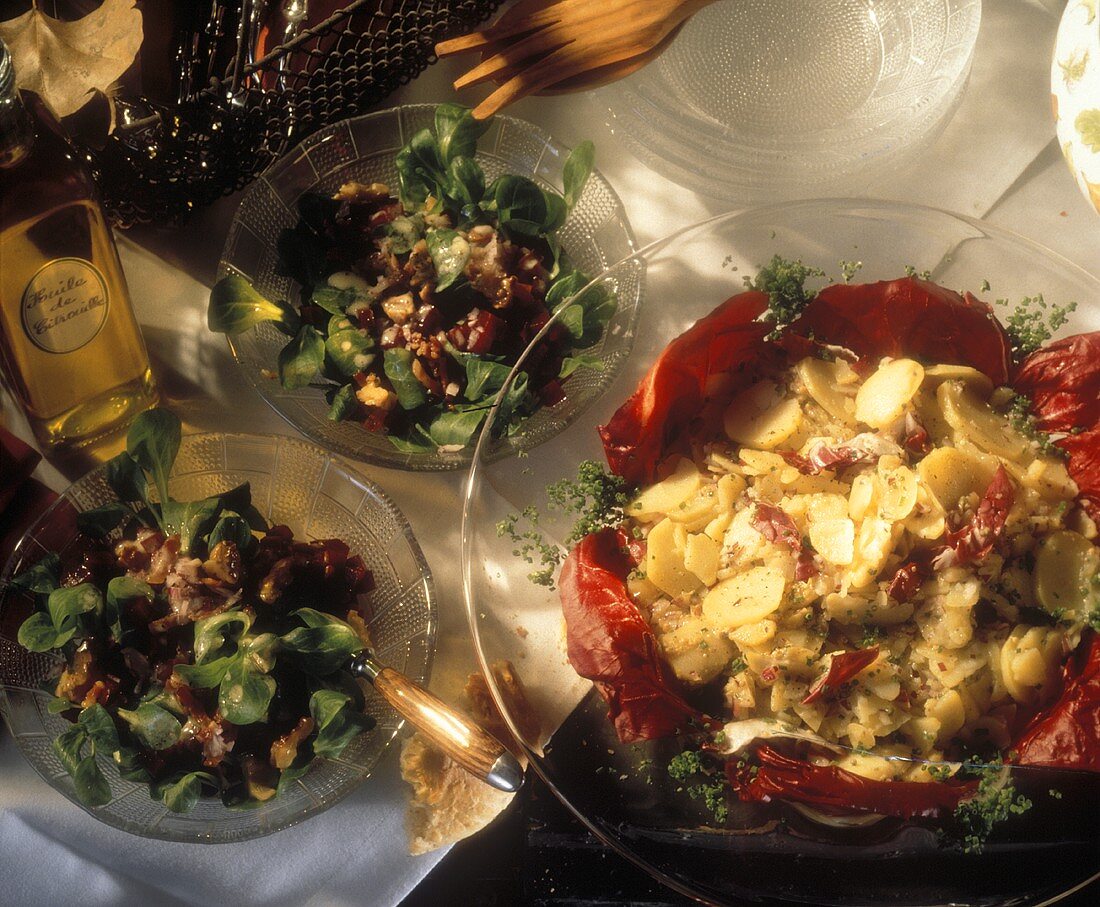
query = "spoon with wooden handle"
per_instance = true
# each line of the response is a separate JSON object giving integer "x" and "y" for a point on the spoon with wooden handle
{"x": 535, "y": 46}
{"x": 602, "y": 75}
{"x": 470, "y": 746}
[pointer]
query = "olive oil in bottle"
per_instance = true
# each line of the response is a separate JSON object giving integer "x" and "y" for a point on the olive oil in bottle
{"x": 71, "y": 348}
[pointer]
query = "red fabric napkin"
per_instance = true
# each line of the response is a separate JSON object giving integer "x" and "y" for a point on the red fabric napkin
{"x": 22, "y": 499}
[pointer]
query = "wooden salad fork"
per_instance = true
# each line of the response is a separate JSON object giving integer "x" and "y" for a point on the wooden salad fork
{"x": 567, "y": 45}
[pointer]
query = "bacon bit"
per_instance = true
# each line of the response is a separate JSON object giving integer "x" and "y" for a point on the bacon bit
{"x": 769, "y": 674}
{"x": 976, "y": 539}
{"x": 941, "y": 666}
{"x": 916, "y": 439}
{"x": 842, "y": 668}
{"x": 906, "y": 581}
{"x": 285, "y": 749}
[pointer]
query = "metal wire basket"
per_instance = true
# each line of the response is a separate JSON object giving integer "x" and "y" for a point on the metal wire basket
{"x": 164, "y": 161}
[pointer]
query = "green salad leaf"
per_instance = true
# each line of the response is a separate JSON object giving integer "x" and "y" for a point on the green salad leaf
{"x": 337, "y": 722}
{"x": 397, "y": 364}
{"x": 155, "y": 727}
{"x": 236, "y": 306}
{"x": 302, "y": 358}
{"x": 450, "y": 251}
{"x": 120, "y": 590}
{"x": 577, "y": 170}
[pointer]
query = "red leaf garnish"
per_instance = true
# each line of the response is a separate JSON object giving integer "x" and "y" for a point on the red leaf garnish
{"x": 610, "y": 643}
{"x": 976, "y": 539}
{"x": 776, "y": 525}
{"x": 835, "y": 789}
{"x": 1063, "y": 382}
{"x": 1067, "y": 735}
{"x": 1084, "y": 467}
{"x": 652, "y": 422}
{"x": 909, "y": 317}
{"x": 916, "y": 439}
{"x": 863, "y": 448}
{"x": 843, "y": 667}
{"x": 906, "y": 581}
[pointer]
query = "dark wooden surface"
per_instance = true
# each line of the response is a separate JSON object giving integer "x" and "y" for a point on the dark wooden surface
{"x": 537, "y": 854}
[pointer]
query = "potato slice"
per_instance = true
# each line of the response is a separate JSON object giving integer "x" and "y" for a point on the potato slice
{"x": 950, "y": 474}
{"x": 931, "y": 416}
{"x": 696, "y": 653}
{"x": 834, "y": 540}
{"x": 701, "y": 557}
{"x": 730, "y": 488}
{"x": 971, "y": 417}
{"x": 827, "y": 507}
{"x": 935, "y": 375}
{"x": 897, "y": 492}
{"x": 882, "y": 398}
{"x": 1065, "y": 566}
{"x": 861, "y": 496}
{"x": 665, "y": 549}
{"x": 821, "y": 381}
{"x": 744, "y": 598}
{"x": 760, "y": 418}
{"x": 667, "y": 494}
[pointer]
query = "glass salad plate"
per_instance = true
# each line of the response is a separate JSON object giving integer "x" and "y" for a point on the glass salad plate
{"x": 771, "y": 853}
{"x": 595, "y": 235}
{"x": 317, "y": 496}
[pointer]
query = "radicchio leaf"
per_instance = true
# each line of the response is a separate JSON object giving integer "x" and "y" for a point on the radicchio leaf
{"x": 652, "y": 422}
{"x": 1084, "y": 467}
{"x": 1067, "y": 735}
{"x": 777, "y": 776}
{"x": 909, "y": 317}
{"x": 610, "y": 643}
{"x": 776, "y": 526}
{"x": 843, "y": 667}
{"x": 976, "y": 539}
{"x": 1062, "y": 381}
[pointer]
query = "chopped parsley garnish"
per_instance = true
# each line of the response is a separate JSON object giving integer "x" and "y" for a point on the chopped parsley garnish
{"x": 785, "y": 283}
{"x": 1033, "y": 323}
{"x": 737, "y": 666}
{"x": 849, "y": 269}
{"x": 597, "y": 497}
{"x": 995, "y": 801}
{"x": 1022, "y": 419}
{"x": 911, "y": 271}
{"x": 711, "y": 789}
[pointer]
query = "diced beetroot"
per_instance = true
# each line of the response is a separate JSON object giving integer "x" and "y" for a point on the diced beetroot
{"x": 551, "y": 393}
{"x": 477, "y": 333}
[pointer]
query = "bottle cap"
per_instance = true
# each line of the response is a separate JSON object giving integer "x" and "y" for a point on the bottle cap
{"x": 7, "y": 73}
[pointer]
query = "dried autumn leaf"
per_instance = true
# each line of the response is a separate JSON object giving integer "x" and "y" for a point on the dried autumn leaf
{"x": 65, "y": 63}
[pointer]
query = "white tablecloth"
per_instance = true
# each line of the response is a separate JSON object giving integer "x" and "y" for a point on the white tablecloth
{"x": 997, "y": 159}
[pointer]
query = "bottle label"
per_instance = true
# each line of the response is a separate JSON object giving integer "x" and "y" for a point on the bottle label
{"x": 64, "y": 305}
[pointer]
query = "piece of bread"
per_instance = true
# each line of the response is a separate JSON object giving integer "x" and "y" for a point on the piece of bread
{"x": 447, "y": 803}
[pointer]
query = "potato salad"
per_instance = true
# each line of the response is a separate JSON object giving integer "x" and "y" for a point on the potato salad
{"x": 881, "y": 557}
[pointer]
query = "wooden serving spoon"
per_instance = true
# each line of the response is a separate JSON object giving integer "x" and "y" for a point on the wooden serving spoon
{"x": 567, "y": 45}
{"x": 470, "y": 746}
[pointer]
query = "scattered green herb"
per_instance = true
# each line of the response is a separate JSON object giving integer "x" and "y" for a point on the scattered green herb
{"x": 785, "y": 283}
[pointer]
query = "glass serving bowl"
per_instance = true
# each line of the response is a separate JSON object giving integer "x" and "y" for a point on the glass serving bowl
{"x": 764, "y": 100}
{"x": 595, "y": 235}
{"x": 771, "y": 854}
{"x": 317, "y": 496}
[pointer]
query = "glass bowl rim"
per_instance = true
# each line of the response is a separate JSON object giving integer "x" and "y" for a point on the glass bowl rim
{"x": 838, "y": 204}
{"x": 706, "y": 135}
{"x": 419, "y": 462}
{"x": 430, "y": 631}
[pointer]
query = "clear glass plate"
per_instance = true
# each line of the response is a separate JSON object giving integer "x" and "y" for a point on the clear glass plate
{"x": 766, "y": 100}
{"x": 317, "y": 496}
{"x": 635, "y": 808}
{"x": 595, "y": 235}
